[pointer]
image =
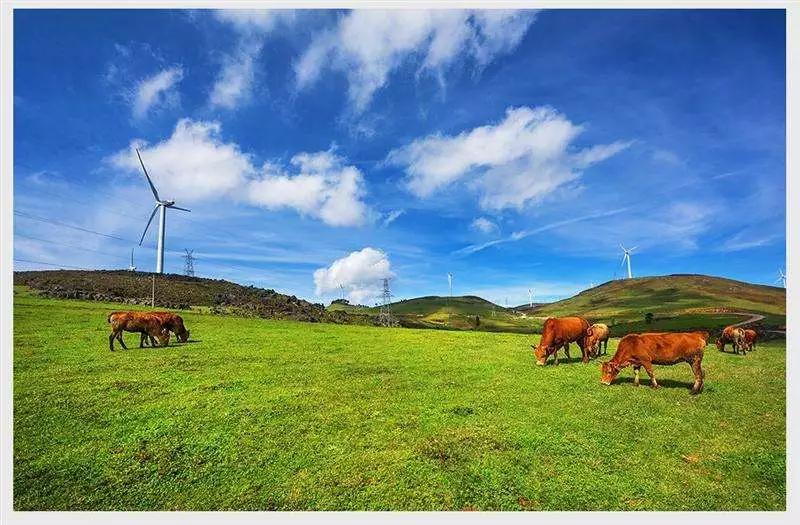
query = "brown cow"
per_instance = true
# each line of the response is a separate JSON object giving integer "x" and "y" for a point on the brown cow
{"x": 596, "y": 336}
{"x": 734, "y": 336}
{"x": 750, "y": 338}
{"x": 645, "y": 350}
{"x": 171, "y": 322}
{"x": 142, "y": 322}
{"x": 559, "y": 332}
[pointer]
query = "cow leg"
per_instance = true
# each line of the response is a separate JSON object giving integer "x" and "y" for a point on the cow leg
{"x": 555, "y": 355}
{"x": 698, "y": 375}
{"x": 648, "y": 367}
{"x": 111, "y": 340}
{"x": 121, "y": 340}
{"x": 636, "y": 375}
{"x": 566, "y": 351}
{"x": 142, "y": 339}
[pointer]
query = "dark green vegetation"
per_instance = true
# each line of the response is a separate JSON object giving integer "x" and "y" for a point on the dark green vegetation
{"x": 275, "y": 414}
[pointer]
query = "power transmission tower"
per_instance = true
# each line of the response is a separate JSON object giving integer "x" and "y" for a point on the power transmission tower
{"x": 188, "y": 266}
{"x": 385, "y": 317}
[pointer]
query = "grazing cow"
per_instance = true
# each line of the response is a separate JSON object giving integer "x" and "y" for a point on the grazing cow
{"x": 141, "y": 322}
{"x": 596, "y": 336}
{"x": 734, "y": 336}
{"x": 648, "y": 349}
{"x": 172, "y": 323}
{"x": 750, "y": 338}
{"x": 558, "y": 332}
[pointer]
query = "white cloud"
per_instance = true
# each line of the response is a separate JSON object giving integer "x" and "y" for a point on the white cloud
{"x": 156, "y": 90}
{"x": 367, "y": 45}
{"x": 254, "y": 20}
{"x": 360, "y": 273}
{"x": 519, "y": 160}
{"x": 483, "y": 225}
{"x": 235, "y": 80}
{"x": 322, "y": 186}
{"x": 234, "y": 83}
{"x": 196, "y": 164}
{"x": 392, "y": 216}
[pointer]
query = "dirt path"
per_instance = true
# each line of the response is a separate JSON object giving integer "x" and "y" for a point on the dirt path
{"x": 751, "y": 318}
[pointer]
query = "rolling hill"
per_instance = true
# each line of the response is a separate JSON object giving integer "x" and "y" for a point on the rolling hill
{"x": 675, "y": 302}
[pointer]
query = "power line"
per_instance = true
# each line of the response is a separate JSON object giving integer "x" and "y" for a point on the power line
{"x": 65, "y": 225}
{"x": 51, "y": 264}
{"x": 68, "y": 245}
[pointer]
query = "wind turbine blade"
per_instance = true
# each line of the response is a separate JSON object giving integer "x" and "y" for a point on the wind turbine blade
{"x": 148, "y": 223}
{"x": 179, "y": 208}
{"x": 629, "y": 251}
{"x": 621, "y": 246}
{"x": 150, "y": 182}
{"x": 623, "y": 260}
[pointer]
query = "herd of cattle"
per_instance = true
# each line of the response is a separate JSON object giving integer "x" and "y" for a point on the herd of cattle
{"x": 636, "y": 350}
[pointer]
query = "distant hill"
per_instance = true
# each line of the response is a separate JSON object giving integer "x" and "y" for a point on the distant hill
{"x": 175, "y": 291}
{"x": 672, "y": 302}
{"x": 675, "y": 301}
{"x": 625, "y": 298}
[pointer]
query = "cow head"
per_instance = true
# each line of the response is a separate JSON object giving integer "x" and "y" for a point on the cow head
{"x": 719, "y": 343}
{"x": 182, "y": 334}
{"x": 608, "y": 372}
{"x": 542, "y": 353}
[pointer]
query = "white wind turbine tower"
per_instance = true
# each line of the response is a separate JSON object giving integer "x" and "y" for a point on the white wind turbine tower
{"x": 530, "y": 297}
{"x": 132, "y": 267}
{"x": 626, "y": 257}
{"x": 781, "y": 278}
{"x": 161, "y": 205}
{"x": 450, "y": 283}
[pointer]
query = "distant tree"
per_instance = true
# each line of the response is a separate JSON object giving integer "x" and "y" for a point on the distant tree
{"x": 477, "y": 321}
{"x": 648, "y": 317}
{"x": 340, "y": 301}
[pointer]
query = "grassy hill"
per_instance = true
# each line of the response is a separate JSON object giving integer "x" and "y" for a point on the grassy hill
{"x": 676, "y": 302}
{"x": 175, "y": 291}
{"x": 467, "y": 312}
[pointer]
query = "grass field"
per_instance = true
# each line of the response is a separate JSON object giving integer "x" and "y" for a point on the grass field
{"x": 260, "y": 414}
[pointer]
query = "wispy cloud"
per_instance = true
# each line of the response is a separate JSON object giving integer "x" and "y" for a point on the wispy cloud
{"x": 746, "y": 240}
{"x": 156, "y": 90}
{"x": 367, "y": 45}
{"x": 483, "y": 225}
{"x": 519, "y": 235}
{"x": 234, "y": 83}
{"x": 392, "y": 216}
{"x": 519, "y": 160}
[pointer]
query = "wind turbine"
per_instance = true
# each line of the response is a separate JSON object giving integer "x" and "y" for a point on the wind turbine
{"x": 530, "y": 297}
{"x": 781, "y": 278}
{"x": 450, "y": 283}
{"x": 626, "y": 257}
{"x": 161, "y": 206}
{"x": 132, "y": 268}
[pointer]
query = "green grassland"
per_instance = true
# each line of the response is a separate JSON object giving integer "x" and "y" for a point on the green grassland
{"x": 257, "y": 414}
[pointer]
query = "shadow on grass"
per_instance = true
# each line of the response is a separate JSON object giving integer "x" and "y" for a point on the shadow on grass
{"x": 664, "y": 383}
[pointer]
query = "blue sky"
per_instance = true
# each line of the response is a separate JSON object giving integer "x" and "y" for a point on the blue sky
{"x": 327, "y": 149}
